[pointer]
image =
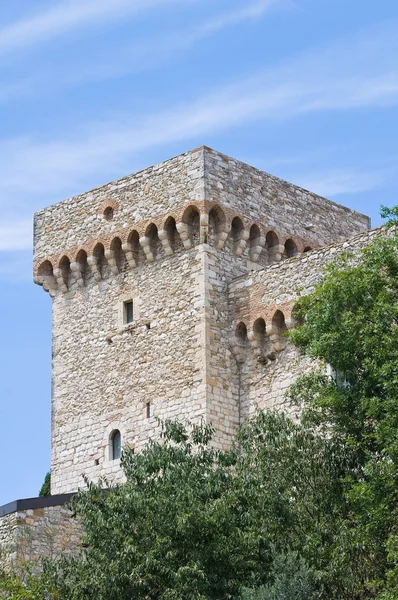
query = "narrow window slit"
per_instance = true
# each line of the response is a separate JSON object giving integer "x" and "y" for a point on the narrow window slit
{"x": 128, "y": 312}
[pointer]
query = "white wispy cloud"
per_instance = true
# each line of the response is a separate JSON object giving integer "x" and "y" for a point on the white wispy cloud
{"x": 71, "y": 15}
{"x": 114, "y": 61}
{"x": 335, "y": 182}
{"x": 251, "y": 11}
{"x": 354, "y": 75}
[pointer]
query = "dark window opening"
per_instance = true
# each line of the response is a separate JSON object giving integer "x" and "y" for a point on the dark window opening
{"x": 108, "y": 213}
{"x": 116, "y": 441}
{"x": 148, "y": 410}
{"x": 128, "y": 312}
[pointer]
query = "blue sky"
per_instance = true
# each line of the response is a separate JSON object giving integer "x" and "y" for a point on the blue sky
{"x": 92, "y": 90}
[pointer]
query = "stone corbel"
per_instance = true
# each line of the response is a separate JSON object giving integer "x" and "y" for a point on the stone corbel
{"x": 256, "y": 250}
{"x": 168, "y": 250}
{"x": 128, "y": 250}
{"x": 60, "y": 281}
{"x": 204, "y": 228}
{"x": 183, "y": 230}
{"x": 255, "y": 343}
{"x": 290, "y": 323}
{"x": 241, "y": 245}
{"x": 221, "y": 238}
{"x": 77, "y": 274}
{"x": 277, "y": 341}
{"x": 110, "y": 257}
{"x": 93, "y": 264}
{"x": 237, "y": 351}
{"x": 276, "y": 253}
{"x": 48, "y": 282}
{"x": 145, "y": 243}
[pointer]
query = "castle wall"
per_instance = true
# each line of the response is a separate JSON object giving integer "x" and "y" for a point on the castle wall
{"x": 170, "y": 238}
{"x": 199, "y": 176}
{"x": 105, "y": 372}
{"x": 260, "y": 295}
{"x": 139, "y": 198}
{"x": 222, "y": 392}
{"x": 29, "y": 535}
{"x": 277, "y": 204}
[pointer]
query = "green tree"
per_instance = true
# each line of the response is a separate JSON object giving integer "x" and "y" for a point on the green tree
{"x": 293, "y": 580}
{"x": 45, "y": 489}
{"x": 23, "y": 587}
{"x": 192, "y": 522}
{"x": 351, "y": 324}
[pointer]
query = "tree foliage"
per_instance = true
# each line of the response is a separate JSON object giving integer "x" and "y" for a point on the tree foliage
{"x": 351, "y": 323}
{"x": 45, "y": 489}
{"x": 293, "y": 580}
{"x": 193, "y": 522}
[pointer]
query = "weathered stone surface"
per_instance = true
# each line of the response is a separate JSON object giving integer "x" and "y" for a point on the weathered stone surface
{"x": 173, "y": 238}
{"x": 28, "y": 535}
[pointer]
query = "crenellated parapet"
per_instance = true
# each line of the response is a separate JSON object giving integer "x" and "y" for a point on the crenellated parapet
{"x": 147, "y": 241}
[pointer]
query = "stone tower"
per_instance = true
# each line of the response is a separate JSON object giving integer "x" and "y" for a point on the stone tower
{"x": 171, "y": 289}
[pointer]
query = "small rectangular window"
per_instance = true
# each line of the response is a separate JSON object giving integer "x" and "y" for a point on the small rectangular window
{"x": 128, "y": 312}
{"x": 148, "y": 410}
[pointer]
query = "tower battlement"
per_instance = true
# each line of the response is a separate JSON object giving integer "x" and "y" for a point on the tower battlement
{"x": 159, "y": 288}
{"x": 199, "y": 197}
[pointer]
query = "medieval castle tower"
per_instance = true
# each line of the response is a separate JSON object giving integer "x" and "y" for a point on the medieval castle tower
{"x": 171, "y": 289}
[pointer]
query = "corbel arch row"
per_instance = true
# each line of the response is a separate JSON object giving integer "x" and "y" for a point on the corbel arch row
{"x": 265, "y": 335}
{"x": 150, "y": 240}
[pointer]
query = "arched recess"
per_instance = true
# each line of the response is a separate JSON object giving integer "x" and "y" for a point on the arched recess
{"x": 237, "y": 229}
{"x": 155, "y": 243}
{"x": 272, "y": 245}
{"x": 216, "y": 224}
{"x": 191, "y": 218}
{"x": 170, "y": 227}
{"x": 240, "y": 343}
{"x": 241, "y": 335}
{"x": 81, "y": 260}
{"x": 278, "y": 329}
{"x": 256, "y": 243}
{"x": 259, "y": 331}
{"x": 100, "y": 260}
{"x": 133, "y": 244}
{"x": 64, "y": 266}
{"x": 290, "y": 249}
{"x": 119, "y": 255}
{"x": 279, "y": 323}
{"x": 307, "y": 249}
{"x": 46, "y": 269}
{"x": 45, "y": 274}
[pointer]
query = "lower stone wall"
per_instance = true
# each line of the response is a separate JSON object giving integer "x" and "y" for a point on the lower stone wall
{"x": 28, "y": 535}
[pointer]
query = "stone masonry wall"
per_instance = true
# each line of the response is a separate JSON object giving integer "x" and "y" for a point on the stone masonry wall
{"x": 141, "y": 197}
{"x": 259, "y": 296}
{"x": 277, "y": 204}
{"x": 28, "y": 536}
{"x": 171, "y": 239}
{"x": 105, "y": 372}
{"x": 199, "y": 176}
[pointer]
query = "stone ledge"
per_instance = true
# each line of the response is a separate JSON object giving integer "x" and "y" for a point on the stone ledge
{"x": 33, "y": 503}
